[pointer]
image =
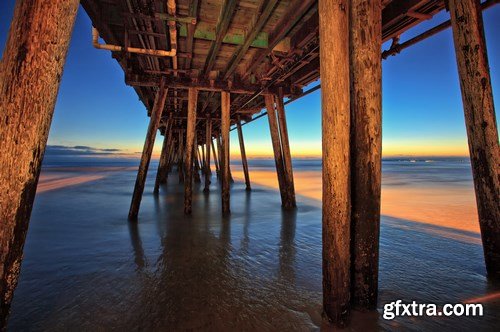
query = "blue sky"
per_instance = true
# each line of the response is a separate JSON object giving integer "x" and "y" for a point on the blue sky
{"x": 422, "y": 108}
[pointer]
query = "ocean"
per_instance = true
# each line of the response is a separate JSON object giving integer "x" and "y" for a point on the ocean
{"x": 87, "y": 268}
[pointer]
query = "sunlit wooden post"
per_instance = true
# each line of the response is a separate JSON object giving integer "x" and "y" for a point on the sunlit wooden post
{"x": 225, "y": 124}
{"x": 480, "y": 122}
{"x": 366, "y": 148}
{"x": 196, "y": 161}
{"x": 149, "y": 143}
{"x": 285, "y": 147}
{"x": 216, "y": 159}
{"x": 31, "y": 69}
{"x": 208, "y": 139}
{"x": 162, "y": 164}
{"x": 334, "y": 71}
{"x": 190, "y": 145}
{"x": 243, "y": 154}
{"x": 278, "y": 154}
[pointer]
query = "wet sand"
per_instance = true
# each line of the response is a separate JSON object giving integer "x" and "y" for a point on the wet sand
{"x": 87, "y": 268}
{"x": 440, "y": 206}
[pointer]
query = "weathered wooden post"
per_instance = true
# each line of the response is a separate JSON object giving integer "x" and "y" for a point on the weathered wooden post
{"x": 219, "y": 151}
{"x": 149, "y": 143}
{"x": 208, "y": 139}
{"x": 366, "y": 148}
{"x": 180, "y": 156}
{"x": 196, "y": 158}
{"x": 243, "y": 154}
{"x": 162, "y": 164}
{"x": 278, "y": 154}
{"x": 334, "y": 71}
{"x": 225, "y": 124}
{"x": 480, "y": 122}
{"x": 190, "y": 140}
{"x": 285, "y": 147}
{"x": 216, "y": 159}
{"x": 31, "y": 69}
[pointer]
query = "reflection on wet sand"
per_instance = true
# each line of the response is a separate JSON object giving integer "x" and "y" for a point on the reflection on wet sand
{"x": 437, "y": 205}
{"x": 87, "y": 268}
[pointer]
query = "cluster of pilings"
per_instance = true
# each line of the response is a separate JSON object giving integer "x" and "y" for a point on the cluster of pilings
{"x": 350, "y": 39}
{"x": 183, "y": 149}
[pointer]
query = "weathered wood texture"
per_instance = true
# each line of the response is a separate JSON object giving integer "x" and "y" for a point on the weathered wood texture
{"x": 31, "y": 69}
{"x": 287, "y": 156}
{"x": 480, "y": 122}
{"x": 161, "y": 174}
{"x": 190, "y": 146}
{"x": 225, "y": 122}
{"x": 149, "y": 143}
{"x": 216, "y": 159}
{"x": 366, "y": 148}
{"x": 334, "y": 57}
{"x": 180, "y": 156}
{"x": 208, "y": 139}
{"x": 243, "y": 155}
{"x": 278, "y": 154}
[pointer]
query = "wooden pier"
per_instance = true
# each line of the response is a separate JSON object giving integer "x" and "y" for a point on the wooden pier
{"x": 203, "y": 68}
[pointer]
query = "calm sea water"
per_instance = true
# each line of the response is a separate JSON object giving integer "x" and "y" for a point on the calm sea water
{"x": 87, "y": 268}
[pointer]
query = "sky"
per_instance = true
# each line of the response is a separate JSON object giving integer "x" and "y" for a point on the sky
{"x": 421, "y": 101}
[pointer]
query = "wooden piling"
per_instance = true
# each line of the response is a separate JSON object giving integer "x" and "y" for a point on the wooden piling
{"x": 149, "y": 143}
{"x": 216, "y": 159}
{"x": 278, "y": 154}
{"x": 480, "y": 122}
{"x": 180, "y": 156}
{"x": 285, "y": 148}
{"x": 190, "y": 146}
{"x": 366, "y": 148}
{"x": 243, "y": 154}
{"x": 225, "y": 124}
{"x": 162, "y": 164}
{"x": 334, "y": 71}
{"x": 196, "y": 163}
{"x": 208, "y": 139}
{"x": 31, "y": 69}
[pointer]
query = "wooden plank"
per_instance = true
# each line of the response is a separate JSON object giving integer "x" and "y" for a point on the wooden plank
{"x": 482, "y": 132}
{"x": 190, "y": 32}
{"x": 154, "y": 122}
{"x": 287, "y": 156}
{"x": 225, "y": 124}
{"x": 278, "y": 154}
{"x": 366, "y": 148}
{"x": 243, "y": 155}
{"x": 30, "y": 72}
{"x": 255, "y": 30}
{"x": 206, "y": 31}
{"x": 334, "y": 48}
{"x": 190, "y": 139}
{"x": 227, "y": 10}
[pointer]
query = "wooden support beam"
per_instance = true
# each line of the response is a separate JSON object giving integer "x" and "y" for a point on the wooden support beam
{"x": 278, "y": 153}
{"x": 227, "y": 9}
{"x": 216, "y": 159}
{"x": 190, "y": 32}
{"x": 242, "y": 50}
{"x": 243, "y": 155}
{"x": 161, "y": 174}
{"x": 334, "y": 48}
{"x": 366, "y": 148}
{"x": 287, "y": 156}
{"x": 196, "y": 157}
{"x": 208, "y": 139}
{"x": 180, "y": 156}
{"x": 190, "y": 139}
{"x": 154, "y": 122}
{"x": 225, "y": 124}
{"x": 31, "y": 69}
{"x": 480, "y": 122}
